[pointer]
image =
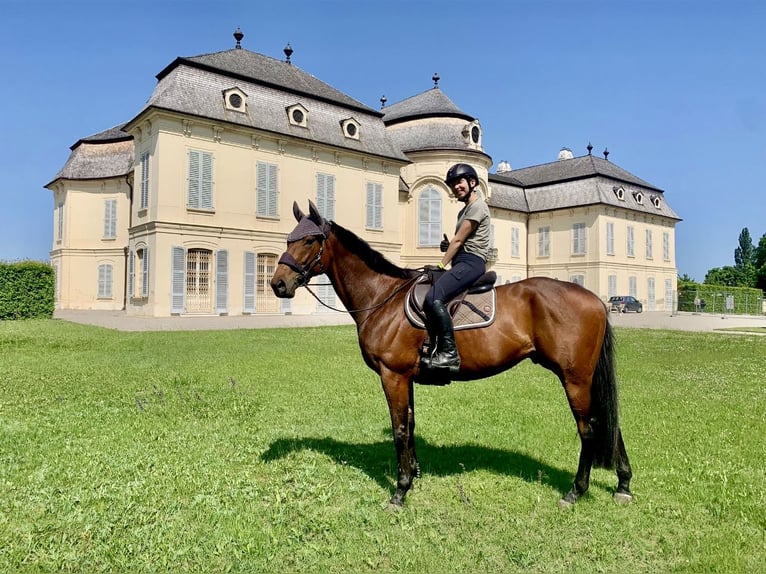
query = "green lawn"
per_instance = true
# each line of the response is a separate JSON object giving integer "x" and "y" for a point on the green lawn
{"x": 270, "y": 450}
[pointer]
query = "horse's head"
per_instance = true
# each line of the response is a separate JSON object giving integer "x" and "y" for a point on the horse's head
{"x": 303, "y": 258}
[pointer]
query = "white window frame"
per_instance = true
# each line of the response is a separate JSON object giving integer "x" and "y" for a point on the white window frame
{"x": 105, "y": 280}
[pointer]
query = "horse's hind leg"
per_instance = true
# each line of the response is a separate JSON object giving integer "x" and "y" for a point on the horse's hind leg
{"x": 624, "y": 473}
{"x": 582, "y": 478}
{"x": 399, "y": 394}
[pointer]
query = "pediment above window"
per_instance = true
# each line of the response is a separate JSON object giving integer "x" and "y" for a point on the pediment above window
{"x": 235, "y": 100}
{"x": 350, "y": 128}
{"x": 298, "y": 115}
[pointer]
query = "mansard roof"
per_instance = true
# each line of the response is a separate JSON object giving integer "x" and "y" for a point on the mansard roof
{"x": 104, "y": 155}
{"x": 577, "y": 182}
{"x": 428, "y": 104}
{"x": 195, "y": 87}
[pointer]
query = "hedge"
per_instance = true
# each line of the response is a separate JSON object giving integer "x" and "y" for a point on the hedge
{"x": 26, "y": 290}
{"x": 747, "y": 301}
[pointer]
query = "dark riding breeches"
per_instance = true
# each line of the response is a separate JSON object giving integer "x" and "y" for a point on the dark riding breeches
{"x": 466, "y": 269}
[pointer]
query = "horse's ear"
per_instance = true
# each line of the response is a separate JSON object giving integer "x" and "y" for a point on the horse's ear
{"x": 297, "y": 212}
{"x": 314, "y": 214}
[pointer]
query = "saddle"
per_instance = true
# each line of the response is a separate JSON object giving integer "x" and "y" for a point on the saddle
{"x": 470, "y": 309}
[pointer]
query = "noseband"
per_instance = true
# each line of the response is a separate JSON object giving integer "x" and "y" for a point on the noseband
{"x": 304, "y": 271}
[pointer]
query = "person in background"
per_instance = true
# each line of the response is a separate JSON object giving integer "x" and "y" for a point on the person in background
{"x": 467, "y": 255}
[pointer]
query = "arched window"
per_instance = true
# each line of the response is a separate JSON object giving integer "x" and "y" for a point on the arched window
{"x": 429, "y": 217}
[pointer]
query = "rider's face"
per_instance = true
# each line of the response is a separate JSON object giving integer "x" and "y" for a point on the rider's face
{"x": 461, "y": 189}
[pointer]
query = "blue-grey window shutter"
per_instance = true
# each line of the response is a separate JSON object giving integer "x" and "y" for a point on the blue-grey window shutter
{"x": 131, "y": 273}
{"x": 194, "y": 185}
{"x": 206, "y": 184}
{"x": 249, "y": 290}
{"x": 177, "y": 298}
{"x": 222, "y": 281}
{"x": 145, "y": 274}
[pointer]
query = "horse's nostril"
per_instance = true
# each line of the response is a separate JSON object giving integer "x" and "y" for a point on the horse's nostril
{"x": 279, "y": 287}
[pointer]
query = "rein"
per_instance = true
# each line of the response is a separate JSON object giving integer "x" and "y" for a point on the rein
{"x": 372, "y": 307}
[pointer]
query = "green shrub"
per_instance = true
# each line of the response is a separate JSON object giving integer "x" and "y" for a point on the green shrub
{"x": 747, "y": 301}
{"x": 26, "y": 290}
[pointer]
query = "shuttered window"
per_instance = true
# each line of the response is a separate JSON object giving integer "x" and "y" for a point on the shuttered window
{"x": 612, "y": 287}
{"x": 578, "y": 239}
{"x": 144, "y": 181}
{"x": 610, "y": 238}
{"x": 222, "y": 282}
{"x": 515, "y": 244}
{"x": 326, "y": 195}
{"x": 266, "y": 193}
{"x": 110, "y": 218}
{"x": 105, "y": 281}
{"x": 131, "y": 274}
{"x": 178, "y": 293}
{"x": 665, "y": 246}
{"x": 200, "y": 189}
{"x": 143, "y": 257}
{"x": 374, "y": 219}
{"x": 429, "y": 217}
{"x": 630, "y": 243}
{"x": 544, "y": 242}
{"x": 248, "y": 305}
{"x": 649, "y": 249}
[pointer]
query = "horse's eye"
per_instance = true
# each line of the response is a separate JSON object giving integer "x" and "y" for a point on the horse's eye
{"x": 310, "y": 241}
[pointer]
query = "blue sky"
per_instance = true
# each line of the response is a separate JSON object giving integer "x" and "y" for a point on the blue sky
{"x": 676, "y": 90}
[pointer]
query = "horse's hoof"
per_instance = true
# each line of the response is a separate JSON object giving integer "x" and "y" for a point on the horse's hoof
{"x": 624, "y": 498}
{"x": 563, "y": 504}
{"x": 393, "y": 506}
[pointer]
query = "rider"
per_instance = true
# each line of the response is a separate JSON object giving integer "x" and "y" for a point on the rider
{"x": 467, "y": 252}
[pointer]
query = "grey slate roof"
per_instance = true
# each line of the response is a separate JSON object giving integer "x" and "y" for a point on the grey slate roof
{"x": 195, "y": 86}
{"x": 575, "y": 182}
{"x": 430, "y": 103}
{"x": 103, "y": 155}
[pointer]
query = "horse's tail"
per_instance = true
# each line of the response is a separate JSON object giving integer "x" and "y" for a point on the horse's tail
{"x": 604, "y": 404}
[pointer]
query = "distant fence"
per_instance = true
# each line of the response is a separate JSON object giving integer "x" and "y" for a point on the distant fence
{"x": 721, "y": 300}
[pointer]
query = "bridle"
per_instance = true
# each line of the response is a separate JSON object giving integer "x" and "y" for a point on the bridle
{"x": 304, "y": 271}
{"x": 304, "y": 277}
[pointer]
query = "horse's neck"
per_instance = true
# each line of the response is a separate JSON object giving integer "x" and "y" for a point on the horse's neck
{"x": 357, "y": 286}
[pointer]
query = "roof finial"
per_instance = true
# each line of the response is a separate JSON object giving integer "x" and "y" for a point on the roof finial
{"x": 590, "y": 148}
{"x": 288, "y": 52}
{"x": 383, "y": 100}
{"x": 238, "y": 35}
{"x": 606, "y": 154}
{"x": 436, "y": 79}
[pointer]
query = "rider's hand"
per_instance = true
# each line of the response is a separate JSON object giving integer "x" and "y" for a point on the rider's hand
{"x": 444, "y": 245}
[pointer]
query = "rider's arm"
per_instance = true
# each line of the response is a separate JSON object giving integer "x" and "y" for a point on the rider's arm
{"x": 466, "y": 229}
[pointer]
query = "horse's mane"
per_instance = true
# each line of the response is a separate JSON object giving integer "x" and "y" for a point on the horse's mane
{"x": 373, "y": 259}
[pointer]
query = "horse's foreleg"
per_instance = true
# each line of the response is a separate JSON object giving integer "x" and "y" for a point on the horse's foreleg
{"x": 399, "y": 395}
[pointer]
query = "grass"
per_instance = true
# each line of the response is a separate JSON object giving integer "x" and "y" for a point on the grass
{"x": 270, "y": 450}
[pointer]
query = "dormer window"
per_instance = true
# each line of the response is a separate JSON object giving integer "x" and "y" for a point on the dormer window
{"x": 235, "y": 100}
{"x": 619, "y": 192}
{"x": 350, "y": 128}
{"x": 639, "y": 197}
{"x": 656, "y": 201}
{"x": 472, "y": 133}
{"x": 297, "y": 115}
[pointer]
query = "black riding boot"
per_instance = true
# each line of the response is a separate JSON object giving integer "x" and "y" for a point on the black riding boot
{"x": 446, "y": 356}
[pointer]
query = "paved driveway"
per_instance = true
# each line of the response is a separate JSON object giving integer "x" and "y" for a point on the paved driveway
{"x": 118, "y": 320}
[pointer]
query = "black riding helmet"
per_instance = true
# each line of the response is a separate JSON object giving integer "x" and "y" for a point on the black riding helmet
{"x": 461, "y": 170}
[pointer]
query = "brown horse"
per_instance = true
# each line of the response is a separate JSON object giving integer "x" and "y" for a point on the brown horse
{"x": 559, "y": 325}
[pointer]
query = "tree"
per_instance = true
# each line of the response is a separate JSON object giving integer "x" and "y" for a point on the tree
{"x": 744, "y": 255}
{"x": 760, "y": 264}
{"x": 685, "y": 278}
{"x": 728, "y": 275}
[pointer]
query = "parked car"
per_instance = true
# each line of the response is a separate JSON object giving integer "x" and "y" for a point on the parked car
{"x": 625, "y": 303}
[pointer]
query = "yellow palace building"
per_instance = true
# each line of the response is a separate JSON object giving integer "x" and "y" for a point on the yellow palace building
{"x": 186, "y": 207}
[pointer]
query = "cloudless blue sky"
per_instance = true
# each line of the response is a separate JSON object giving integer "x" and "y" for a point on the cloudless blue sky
{"x": 675, "y": 89}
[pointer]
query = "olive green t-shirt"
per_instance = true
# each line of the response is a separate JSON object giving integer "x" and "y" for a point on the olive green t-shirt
{"x": 478, "y": 242}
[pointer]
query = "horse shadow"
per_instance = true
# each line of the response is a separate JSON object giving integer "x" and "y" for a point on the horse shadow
{"x": 378, "y": 460}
